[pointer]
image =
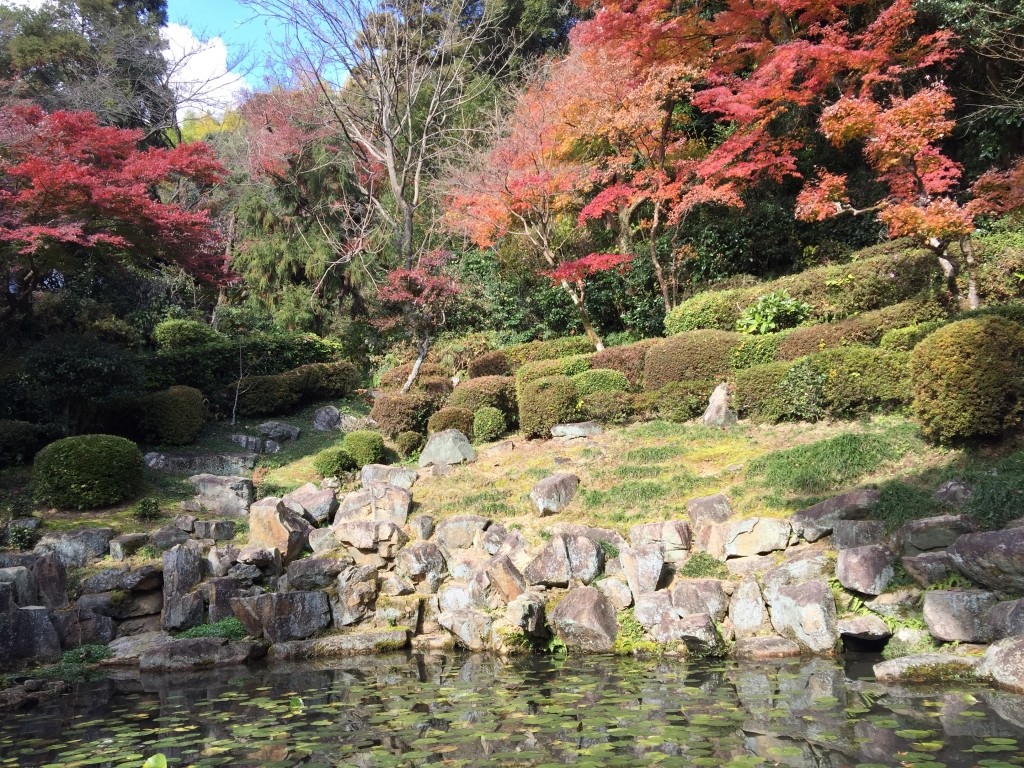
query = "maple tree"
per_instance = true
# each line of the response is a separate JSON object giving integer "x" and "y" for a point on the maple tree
{"x": 74, "y": 193}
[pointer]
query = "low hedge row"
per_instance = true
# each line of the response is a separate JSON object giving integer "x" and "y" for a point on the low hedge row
{"x": 275, "y": 394}
{"x": 558, "y": 366}
{"x": 543, "y": 403}
{"x": 487, "y": 392}
{"x": 20, "y": 440}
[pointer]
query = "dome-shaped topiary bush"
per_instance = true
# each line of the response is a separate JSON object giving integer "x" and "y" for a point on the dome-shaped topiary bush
{"x": 488, "y": 424}
{"x": 408, "y": 443}
{"x": 452, "y": 418}
{"x": 395, "y": 378}
{"x": 968, "y": 379}
{"x": 704, "y": 356}
{"x": 492, "y": 363}
{"x": 365, "y": 447}
{"x": 395, "y": 413}
{"x": 174, "y": 416}
{"x": 546, "y": 402}
{"x": 333, "y": 462}
{"x": 487, "y": 391}
{"x": 178, "y": 334}
{"x": 87, "y": 472}
{"x": 608, "y": 407}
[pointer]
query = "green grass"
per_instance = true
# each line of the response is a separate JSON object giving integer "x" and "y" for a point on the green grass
{"x": 655, "y": 454}
{"x": 629, "y": 494}
{"x": 701, "y": 565}
{"x": 231, "y": 628}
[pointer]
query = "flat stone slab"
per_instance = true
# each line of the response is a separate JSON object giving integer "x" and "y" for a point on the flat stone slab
{"x": 927, "y": 668}
{"x": 343, "y": 644}
{"x": 573, "y": 431}
{"x": 761, "y": 648}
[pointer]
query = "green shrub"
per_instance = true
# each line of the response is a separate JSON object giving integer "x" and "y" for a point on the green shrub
{"x": 174, "y": 416}
{"x": 396, "y": 377}
{"x": 180, "y": 334}
{"x": 322, "y": 381}
{"x": 678, "y": 401}
{"x": 757, "y": 392}
{"x": 771, "y": 313}
{"x": 20, "y": 441}
{"x": 610, "y": 407}
{"x": 487, "y": 391}
{"x": 757, "y": 350}
{"x": 408, "y": 443}
{"x": 395, "y": 412}
{"x": 488, "y": 424}
{"x": 628, "y": 360}
{"x": 437, "y": 388}
{"x": 334, "y": 462}
{"x": 968, "y": 379}
{"x": 800, "y": 395}
{"x": 147, "y": 510}
{"x": 87, "y": 472}
{"x": 365, "y": 447}
{"x": 268, "y": 395}
{"x": 454, "y": 353}
{"x": 859, "y": 380}
{"x": 452, "y": 418}
{"x": 231, "y": 628}
{"x": 599, "y": 380}
{"x": 520, "y": 354}
{"x": 561, "y": 366}
{"x": 713, "y": 309}
{"x": 694, "y": 356}
{"x": 815, "y": 338}
{"x": 905, "y": 339}
{"x": 546, "y": 402}
{"x": 493, "y": 363}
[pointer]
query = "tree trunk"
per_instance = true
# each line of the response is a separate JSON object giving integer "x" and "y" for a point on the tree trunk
{"x": 967, "y": 246}
{"x": 423, "y": 349}
{"x": 405, "y": 249}
{"x": 659, "y": 273}
{"x": 588, "y": 324}
{"x": 950, "y": 269}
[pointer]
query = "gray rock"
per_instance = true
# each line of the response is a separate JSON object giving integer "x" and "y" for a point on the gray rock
{"x": 219, "y": 592}
{"x": 959, "y": 615}
{"x": 806, "y": 614}
{"x": 447, "y": 448}
{"x": 653, "y": 608}
{"x": 672, "y": 535}
{"x": 128, "y": 649}
{"x": 273, "y": 526}
{"x": 382, "y": 473}
{"x": 899, "y": 603}
{"x": 459, "y": 532}
{"x": 928, "y": 568}
{"x": 350, "y": 643}
{"x": 127, "y": 544}
{"x": 585, "y": 620}
{"x": 322, "y": 540}
{"x": 847, "y": 534}
{"x": 993, "y": 559}
{"x": 24, "y": 584}
{"x": 927, "y": 668}
{"x": 815, "y": 522}
{"x": 380, "y": 502}
{"x": 199, "y": 653}
{"x": 218, "y": 530}
{"x": 354, "y": 423}
{"x": 77, "y": 548}
{"x": 867, "y": 569}
{"x": 553, "y": 494}
{"x": 953, "y": 493}
{"x": 283, "y": 616}
{"x": 497, "y": 584}
{"x": 201, "y": 463}
{"x": 764, "y": 648}
{"x": 393, "y": 585}
{"x": 747, "y": 610}
{"x": 565, "y": 559}
{"x": 1006, "y": 619}
{"x": 749, "y": 566}
{"x": 423, "y": 526}
{"x": 167, "y": 536}
{"x": 757, "y": 536}
{"x": 326, "y": 419}
{"x": 709, "y": 509}
{"x": 700, "y": 596}
{"x": 132, "y": 605}
{"x": 698, "y": 632}
{"x": 1003, "y": 664}
{"x": 718, "y": 413}
{"x": 617, "y": 592}
{"x": 143, "y": 579}
{"x": 183, "y": 570}
{"x": 80, "y": 626}
{"x": 471, "y": 627}
{"x": 931, "y": 533}
{"x": 454, "y": 596}
{"x": 358, "y": 588}
{"x": 312, "y": 573}
{"x": 868, "y": 627}
{"x": 279, "y": 431}
{"x": 424, "y": 565}
{"x": 223, "y": 495}
{"x": 804, "y": 566}
{"x": 642, "y": 566}
{"x": 317, "y": 505}
{"x": 577, "y": 430}
{"x": 256, "y": 444}
{"x": 219, "y": 560}
{"x": 34, "y": 636}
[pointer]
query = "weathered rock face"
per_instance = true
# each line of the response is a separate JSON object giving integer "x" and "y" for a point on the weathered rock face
{"x": 700, "y": 596}
{"x": 718, "y": 413}
{"x": 672, "y": 535}
{"x": 223, "y": 495}
{"x": 217, "y": 530}
{"x": 23, "y": 582}
{"x": 1007, "y": 619}
{"x": 806, "y": 614}
{"x": 459, "y": 532}
{"x": 127, "y": 544}
{"x": 183, "y": 570}
{"x": 1003, "y": 664}
{"x": 617, "y": 591}
{"x": 959, "y": 615}
{"x": 379, "y": 502}
{"x": 757, "y": 536}
{"x": 358, "y": 587}
{"x": 870, "y": 628}
{"x": 697, "y": 631}
{"x": 867, "y": 569}
{"x": 383, "y": 473}
{"x": 326, "y": 419}
{"x": 553, "y": 494}
{"x": 127, "y": 650}
{"x": 764, "y": 648}
{"x": 747, "y": 610}
{"x": 926, "y": 668}
{"x": 709, "y": 509}
{"x": 315, "y": 504}
{"x": 199, "y": 653}
{"x": 642, "y": 565}
{"x": 256, "y": 444}
{"x": 807, "y": 566}
{"x": 279, "y": 431}
{"x": 215, "y": 464}
{"x": 953, "y": 493}
{"x": 817, "y": 521}
{"x": 931, "y": 533}
{"x": 447, "y": 448}
{"x": 273, "y": 526}
{"x": 311, "y": 573}
{"x": 654, "y": 608}
{"x": 77, "y": 548}
{"x": 284, "y": 615}
{"x": 80, "y": 626}
{"x": 564, "y": 559}
{"x": 142, "y": 579}
{"x": 424, "y": 565}
{"x": 993, "y": 559}
{"x": 847, "y": 534}
{"x": 928, "y": 568}
{"x": 585, "y": 620}
{"x": 471, "y": 627}
{"x": 577, "y": 430}
{"x": 34, "y": 636}
{"x": 497, "y": 584}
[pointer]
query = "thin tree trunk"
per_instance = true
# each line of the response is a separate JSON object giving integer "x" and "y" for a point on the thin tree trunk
{"x": 423, "y": 349}
{"x": 659, "y": 273}
{"x": 405, "y": 248}
{"x": 967, "y": 246}
{"x": 588, "y": 324}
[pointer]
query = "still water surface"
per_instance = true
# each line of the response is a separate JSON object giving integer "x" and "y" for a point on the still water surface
{"x": 477, "y": 710}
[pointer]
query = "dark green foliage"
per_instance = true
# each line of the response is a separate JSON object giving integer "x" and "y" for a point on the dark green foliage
{"x": 771, "y": 313}
{"x": 147, "y": 510}
{"x": 365, "y": 447}
{"x": 693, "y": 356}
{"x": 757, "y": 390}
{"x": 231, "y": 628}
{"x": 333, "y": 462}
{"x": 678, "y": 401}
{"x": 395, "y": 412}
{"x": 546, "y": 402}
{"x": 859, "y": 380}
{"x": 488, "y": 424}
{"x": 20, "y": 441}
{"x": 614, "y": 407}
{"x": 905, "y": 339}
{"x": 493, "y": 363}
{"x": 452, "y": 417}
{"x": 408, "y": 443}
{"x": 180, "y": 334}
{"x": 86, "y": 654}
{"x": 701, "y": 565}
{"x": 800, "y": 395}
{"x": 560, "y": 366}
{"x": 322, "y": 381}
{"x": 487, "y": 391}
{"x": 521, "y": 354}
{"x": 174, "y": 416}
{"x": 627, "y": 360}
{"x": 87, "y": 472}
{"x": 396, "y": 377}
{"x": 713, "y": 309}
{"x": 268, "y": 395}
{"x": 757, "y": 350}
{"x": 968, "y": 379}
{"x": 599, "y": 380}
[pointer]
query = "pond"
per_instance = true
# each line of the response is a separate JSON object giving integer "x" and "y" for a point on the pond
{"x": 478, "y": 710}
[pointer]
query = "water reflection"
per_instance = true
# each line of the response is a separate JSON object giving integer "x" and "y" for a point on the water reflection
{"x": 479, "y": 710}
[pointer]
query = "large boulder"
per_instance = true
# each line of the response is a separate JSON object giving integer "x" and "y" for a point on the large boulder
{"x": 284, "y": 615}
{"x": 447, "y": 448}
{"x": 847, "y": 534}
{"x": 867, "y": 569}
{"x": 383, "y": 473}
{"x": 1007, "y": 619}
{"x": 383, "y": 539}
{"x": 697, "y": 631}
{"x": 80, "y": 626}
{"x": 326, "y": 419}
{"x": 424, "y": 565}
{"x": 870, "y": 628}
{"x": 272, "y": 525}
{"x": 757, "y": 536}
{"x": 1003, "y": 664}
{"x": 23, "y": 582}
{"x": 471, "y": 627}
{"x": 214, "y": 530}
{"x": 127, "y": 544}
{"x": 993, "y": 559}
{"x": 127, "y": 650}
{"x": 653, "y": 608}
{"x": 565, "y": 559}
{"x": 141, "y": 579}
{"x": 764, "y": 648}
{"x": 815, "y": 522}
{"x": 672, "y": 535}
{"x": 806, "y": 614}
{"x": 747, "y": 610}
{"x": 75, "y": 549}
{"x": 928, "y": 567}
{"x": 959, "y": 615}
{"x": 278, "y": 431}
{"x": 380, "y": 502}
{"x": 553, "y": 494}
{"x": 182, "y": 607}
{"x": 709, "y": 509}
{"x": 585, "y": 620}
{"x": 927, "y": 668}
{"x": 459, "y": 532}
{"x": 358, "y": 588}
{"x": 931, "y": 533}
{"x": 617, "y": 591}
{"x": 719, "y": 413}
{"x": 318, "y": 572}
{"x": 498, "y": 583}
{"x": 187, "y": 654}
{"x": 223, "y": 495}
{"x": 806, "y": 565}
{"x": 642, "y": 565}
{"x": 316, "y": 504}
{"x": 700, "y": 596}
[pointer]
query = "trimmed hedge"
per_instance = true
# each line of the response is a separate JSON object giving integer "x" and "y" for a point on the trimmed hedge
{"x": 905, "y": 339}
{"x": 321, "y": 381}
{"x": 395, "y": 412}
{"x": 365, "y": 447}
{"x": 396, "y": 377}
{"x": 487, "y": 391}
{"x": 627, "y": 360}
{"x": 521, "y": 354}
{"x": 437, "y": 388}
{"x": 87, "y": 472}
{"x": 562, "y": 366}
{"x": 179, "y": 334}
{"x": 452, "y": 418}
{"x": 700, "y": 356}
{"x": 489, "y": 424}
{"x": 174, "y": 416}
{"x": 543, "y": 403}
{"x": 599, "y": 380}
{"x": 493, "y": 363}
{"x": 408, "y": 443}
{"x": 756, "y": 390}
{"x": 757, "y": 350}
{"x": 860, "y": 380}
{"x": 814, "y": 338}
{"x": 677, "y": 401}
{"x": 968, "y": 379}
{"x": 267, "y": 395}
{"x": 334, "y": 462}
{"x": 20, "y": 441}
{"x": 608, "y": 407}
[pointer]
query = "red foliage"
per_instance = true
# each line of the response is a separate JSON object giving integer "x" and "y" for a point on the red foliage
{"x": 1000, "y": 192}
{"x": 420, "y": 297}
{"x": 578, "y": 270}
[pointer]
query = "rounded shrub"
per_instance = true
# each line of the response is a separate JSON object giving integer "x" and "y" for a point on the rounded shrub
{"x": 180, "y": 334}
{"x": 319, "y": 381}
{"x": 714, "y": 309}
{"x": 452, "y": 418}
{"x": 599, "y": 380}
{"x": 333, "y": 462}
{"x": 520, "y": 354}
{"x": 267, "y": 395}
{"x": 627, "y": 360}
{"x": 365, "y": 447}
{"x": 493, "y": 363}
{"x": 87, "y": 472}
{"x": 20, "y": 441}
{"x": 607, "y": 407}
{"x": 677, "y": 401}
{"x": 968, "y": 379}
{"x": 697, "y": 356}
{"x": 408, "y": 443}
{"x": 396, "y": 377}
{"x": 905, "y": 339}
{"x": 437, "y": 388}
{"x": 860, "y": 380}
{"x": 488, "y": 424}
{"x": 546, "y": 402}
{"x": 560, "y": 366}
{"x": 487, "y": 391}
{"x": 174, "y": 416}
{"x": 815, "y": 338}
{"x": 395, "y": 413}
